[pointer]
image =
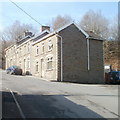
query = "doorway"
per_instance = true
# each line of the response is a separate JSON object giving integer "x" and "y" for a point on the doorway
{"x": 24, "y": 65}
{"x": 42, "y": 68}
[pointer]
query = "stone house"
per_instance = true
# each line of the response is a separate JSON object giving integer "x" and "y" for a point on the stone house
{"x": 67, "y": 54}
{"x": 19, "y": 54}
{"x": 10, "y": 55}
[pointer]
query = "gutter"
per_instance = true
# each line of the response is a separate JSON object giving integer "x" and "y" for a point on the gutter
{"x": 88, "y": 54}
{"x": 61, "y": 56}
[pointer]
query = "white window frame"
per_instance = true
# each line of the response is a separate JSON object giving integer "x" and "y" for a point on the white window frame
{"x": 24, "y": 49}
{"x": 11, "y": 51}
{"x": 37, "y": 66}
{"x": 50, "y": 60}
{"x": 28, "y": 47}
{"x": 14, "y": 50}
{"x": 43, "y": 48}
{"x": 20, "y": 64}
{"x": 50, "y": 45}
{"x": 37, "y": 50}
{"x": 20, "y": 49}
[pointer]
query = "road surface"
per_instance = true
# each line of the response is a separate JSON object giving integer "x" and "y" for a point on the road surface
{"x": 31, "y": 97}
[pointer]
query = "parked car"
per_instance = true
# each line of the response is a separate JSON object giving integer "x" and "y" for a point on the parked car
{"x": 16, "y": 70}
{"x": 113, "y": 77}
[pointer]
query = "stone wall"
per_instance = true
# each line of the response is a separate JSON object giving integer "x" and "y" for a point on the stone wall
{"x": 75, "y": 57}
{"x": 43, "y": 72}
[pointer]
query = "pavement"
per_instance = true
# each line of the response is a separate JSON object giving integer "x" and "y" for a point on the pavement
{"x": 29, "y": 97}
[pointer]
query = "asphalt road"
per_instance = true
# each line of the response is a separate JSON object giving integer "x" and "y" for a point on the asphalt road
{"x": 30, "y": 97}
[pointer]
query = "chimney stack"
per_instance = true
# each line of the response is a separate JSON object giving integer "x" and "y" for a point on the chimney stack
{"x": 28, "y": 33}
{"x": 42, "y": 28}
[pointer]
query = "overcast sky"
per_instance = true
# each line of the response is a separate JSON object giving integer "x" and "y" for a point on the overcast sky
{"x": 44, "y": 12}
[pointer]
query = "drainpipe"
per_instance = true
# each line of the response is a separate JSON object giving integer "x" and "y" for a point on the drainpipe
{"x": 88, "y": 52}
{"x": 61, "y": 56}
{"x": 30, "y": 63}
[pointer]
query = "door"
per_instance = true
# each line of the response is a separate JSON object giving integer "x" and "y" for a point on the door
{"x": 24, "y": 65}
{"x": 42, "y": 68}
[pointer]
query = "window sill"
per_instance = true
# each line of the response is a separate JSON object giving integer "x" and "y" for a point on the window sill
{"x": 49, "y": 50}
{"x": 42, "y": 53}
{"x": 36, "y": 55}
{"x": 49, "y": 70}
{"x": 36, "y": 72}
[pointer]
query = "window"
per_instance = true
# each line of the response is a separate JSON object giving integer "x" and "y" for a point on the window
{"x": 42, "y": 47}
{"x": 20, "y": 52}
{"x": 25, "y": 49}
{"x": 50, "y": 45}
{"x": 49, "y": 63}
{"x": 11, "y": 51}
{"x": 8, "y": 63}
{"x": 11, "y": 62}
{"x": 17, "y": 53}
{"x": 36, "y": 66}
{"x": 8, "y": 53}
{"x": 14, "y": 61}
{"x": 37, "y": 50}
{"x": 24, "y": 64}
{"x": 28, "y": 47}
{"x": 14, "y": 50}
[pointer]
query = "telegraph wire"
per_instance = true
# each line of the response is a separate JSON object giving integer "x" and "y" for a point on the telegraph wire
{"x": 25, "y": 12}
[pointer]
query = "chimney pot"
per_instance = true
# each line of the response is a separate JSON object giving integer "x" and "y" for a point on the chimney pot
{"x": 28, "y": 33}
{"x": 42, "y": 28}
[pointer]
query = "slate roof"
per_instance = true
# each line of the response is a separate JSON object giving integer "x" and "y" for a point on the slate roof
{"x": 40, "y": 35}
{"x": 23, "y": 39}
{"x": 92, "y": 35}
{"x": 88, "y": 34}
{"x": 45, "y": 34}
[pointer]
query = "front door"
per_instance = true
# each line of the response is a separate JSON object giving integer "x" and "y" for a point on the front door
{"x": 42, "y": 68}
{"x": 24, "y": 65}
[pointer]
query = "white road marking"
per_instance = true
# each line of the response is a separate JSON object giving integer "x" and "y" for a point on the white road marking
{"x": 15, "y": 91}
{"x": 19, "y": 108}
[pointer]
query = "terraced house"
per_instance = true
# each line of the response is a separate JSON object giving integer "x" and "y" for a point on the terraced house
{"x": 67, "y": 54}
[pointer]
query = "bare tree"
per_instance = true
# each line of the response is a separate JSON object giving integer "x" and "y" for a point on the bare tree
{"x": 2, "y": 55}
{"x": 111, "y": 47}
{"x": 96, "y": 22}
{"x": 60, "y": 21}
{"x": 16, "y": 31}
{"x": 10, "y": 35}
{"x": 114, "y": 29}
